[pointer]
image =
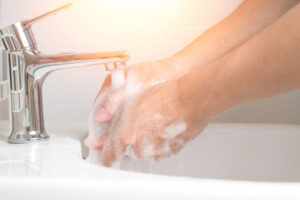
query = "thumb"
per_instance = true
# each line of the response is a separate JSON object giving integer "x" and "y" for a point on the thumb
{"x": 109, "y": 105}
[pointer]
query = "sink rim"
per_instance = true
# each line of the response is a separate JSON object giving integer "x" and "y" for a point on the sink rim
{"x": 137, "y": 175}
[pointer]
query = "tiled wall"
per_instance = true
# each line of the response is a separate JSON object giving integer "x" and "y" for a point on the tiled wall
{"x": 148, "y": 29}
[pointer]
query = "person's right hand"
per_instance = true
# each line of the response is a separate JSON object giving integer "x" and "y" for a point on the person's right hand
{"x": 143, "y": 76}
{"x": 149, "y": 114}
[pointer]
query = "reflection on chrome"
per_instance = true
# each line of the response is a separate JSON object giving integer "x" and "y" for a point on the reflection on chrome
{"x": 25, "y": 68}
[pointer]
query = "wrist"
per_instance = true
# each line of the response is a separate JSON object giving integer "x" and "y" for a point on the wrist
{"x": 179, "y": 65}
{"x": 204, "y": 91}
{"x": 195, "y": 93}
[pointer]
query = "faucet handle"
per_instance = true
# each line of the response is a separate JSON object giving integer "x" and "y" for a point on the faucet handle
{"x": 28, "y": 23}
{"x": 19, "y": 36}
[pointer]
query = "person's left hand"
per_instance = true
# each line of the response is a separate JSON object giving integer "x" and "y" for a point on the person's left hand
{"x": 156, "y": 122}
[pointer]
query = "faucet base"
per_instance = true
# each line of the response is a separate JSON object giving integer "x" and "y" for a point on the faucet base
{"x": 29, "y": 137}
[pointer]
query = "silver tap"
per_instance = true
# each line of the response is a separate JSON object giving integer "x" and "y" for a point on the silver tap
{"x": 26, "y": 69}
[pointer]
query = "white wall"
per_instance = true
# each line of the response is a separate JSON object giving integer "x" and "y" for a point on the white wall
{"x": 148, "y": 29}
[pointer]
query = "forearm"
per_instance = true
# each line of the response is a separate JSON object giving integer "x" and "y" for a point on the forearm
{"x": 248, "y": 19}
{"x": 266, "y": 65}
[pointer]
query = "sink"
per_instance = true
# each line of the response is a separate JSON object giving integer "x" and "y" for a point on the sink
{"x": 227, "y": 161}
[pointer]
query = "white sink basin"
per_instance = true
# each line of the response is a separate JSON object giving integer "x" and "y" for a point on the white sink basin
{"x": 228, "y": 161}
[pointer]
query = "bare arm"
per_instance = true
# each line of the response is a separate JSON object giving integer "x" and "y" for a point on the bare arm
{"x": 163, "y": 112}
{"x": 250, "y": 18}
{"x": 266, "y": 65}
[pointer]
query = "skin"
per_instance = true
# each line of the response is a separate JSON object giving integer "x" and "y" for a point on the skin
{"x": 249, "y": 19}
{"x": 252, "y": 54}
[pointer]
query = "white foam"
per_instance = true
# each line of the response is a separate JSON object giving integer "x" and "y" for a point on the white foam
{"x": 148, "y": 150}
{"x": 95, "y": 129}
{"x": 174, "y": 130}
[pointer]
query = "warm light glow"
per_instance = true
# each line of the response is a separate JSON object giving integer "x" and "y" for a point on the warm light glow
{"x": 132, "y": 11}
{"x": 133, "y": 5}
{"x": 147, "y": 28}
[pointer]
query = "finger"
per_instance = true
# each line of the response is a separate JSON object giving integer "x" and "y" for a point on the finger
{"x": 167, "y": 148}
{"x": 109, "y": 105}
{"x": 144, "y": 146}
{"x": 162, "y": 149}
{"x": 116, "y": 95}
{"x": 160, "y": 157}
{"x": 108, "y": 155}
{"x": 173, "y": 130}
{"x": 115, "y": 147}
{"x": 188, "y": 135}
{"x": 128, "y": 132}
{"x": 176, "y": 145}
{"x": 127, "y": 142}
{"x": 98, "y": 142}
{"x": 147, "y": 146}
{"x": 102, "y": 116}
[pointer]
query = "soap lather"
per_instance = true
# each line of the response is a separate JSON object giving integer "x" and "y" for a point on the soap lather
{"x": 96, "y": 128}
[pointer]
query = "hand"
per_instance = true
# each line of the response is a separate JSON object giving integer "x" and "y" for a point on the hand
{"x": 154, "y": 120}
{"x": 156, "y": 124}
{"x": 148, "y": 74}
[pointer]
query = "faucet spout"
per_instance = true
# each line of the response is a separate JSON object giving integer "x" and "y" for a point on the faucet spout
{"x": 28, "y": 69}
{"x": 35, "y": 58}
{"x": 37, "y": 69}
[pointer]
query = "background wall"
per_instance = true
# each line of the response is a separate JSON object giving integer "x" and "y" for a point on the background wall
{"x": 148, "y": 29}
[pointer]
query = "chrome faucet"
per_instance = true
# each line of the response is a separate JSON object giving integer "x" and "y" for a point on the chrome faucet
{"x": 25, "y": 68}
